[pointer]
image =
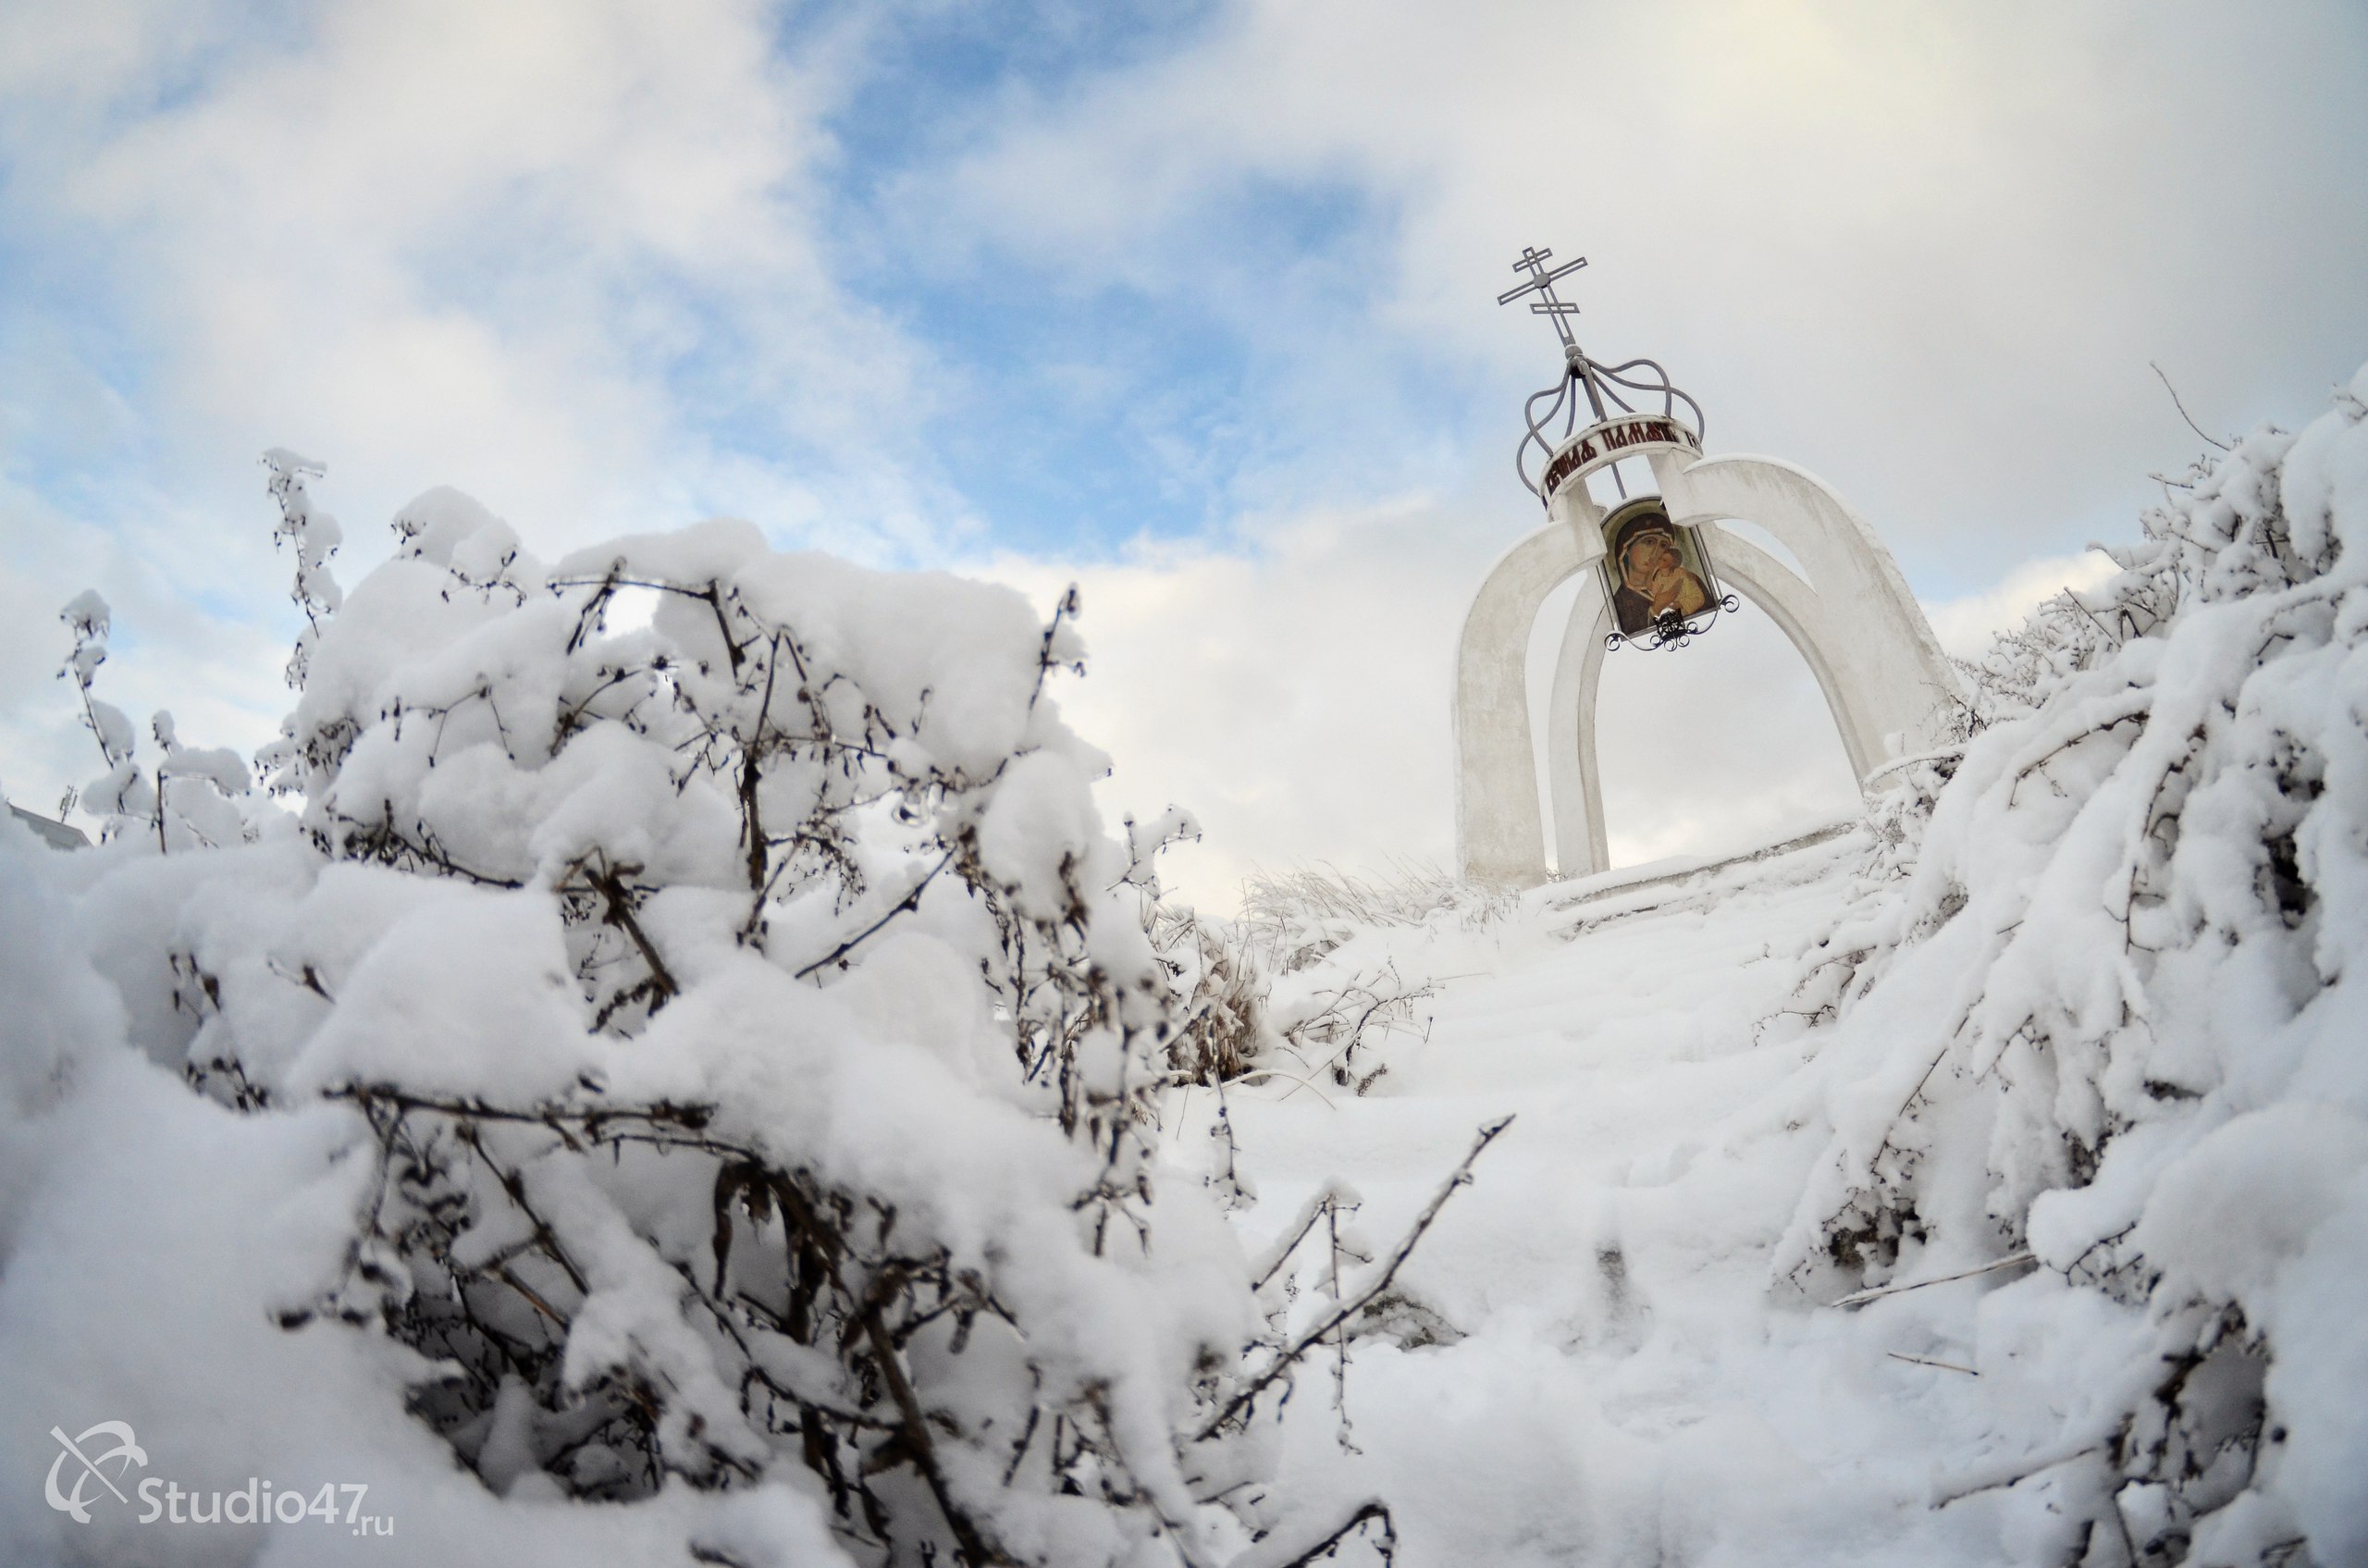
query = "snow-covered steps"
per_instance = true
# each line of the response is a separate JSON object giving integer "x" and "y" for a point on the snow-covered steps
{"x": 1611, "y": 895}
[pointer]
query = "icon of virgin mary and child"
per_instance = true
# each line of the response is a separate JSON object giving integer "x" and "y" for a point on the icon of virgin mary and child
{"x": 1657, "y": 571}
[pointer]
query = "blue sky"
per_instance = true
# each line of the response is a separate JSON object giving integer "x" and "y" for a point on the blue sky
{"x": 1193, "y": 303}
{"x": 1083, "y": 406}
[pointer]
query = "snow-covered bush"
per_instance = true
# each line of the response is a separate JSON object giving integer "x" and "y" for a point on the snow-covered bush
{"x": 719, "y": 1039}
{"x": 1264, "y": 992}
{"x": 1298, "y": 915}
{"x": 2113, "y": 1016}
{"x": 1224, "y": 988}
{"x": 188, "y": 799}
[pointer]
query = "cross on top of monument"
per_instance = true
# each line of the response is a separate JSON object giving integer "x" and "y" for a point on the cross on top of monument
{"x": 1541, "y": 283}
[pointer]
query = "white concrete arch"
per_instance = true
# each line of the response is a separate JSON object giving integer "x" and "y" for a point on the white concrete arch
{"x": 1862, "y": 633}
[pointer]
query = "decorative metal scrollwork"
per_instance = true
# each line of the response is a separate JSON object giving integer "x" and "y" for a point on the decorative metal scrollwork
{"x": 1673, "y": 630}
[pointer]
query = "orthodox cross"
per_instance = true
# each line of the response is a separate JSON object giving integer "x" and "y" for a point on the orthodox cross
{"x": 1558, "y": 311}
{"x": 1541, "y": 283}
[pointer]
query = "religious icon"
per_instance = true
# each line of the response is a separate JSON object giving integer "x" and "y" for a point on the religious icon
{"x": 1654, "y": 571}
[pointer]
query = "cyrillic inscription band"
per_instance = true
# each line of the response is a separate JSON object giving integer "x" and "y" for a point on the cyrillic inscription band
{"x": 1614, "y": 438}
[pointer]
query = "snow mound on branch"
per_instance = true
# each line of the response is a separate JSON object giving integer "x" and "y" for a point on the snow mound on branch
{"x": 2114, "y": 1015}
{"x": 681, "y": 1093}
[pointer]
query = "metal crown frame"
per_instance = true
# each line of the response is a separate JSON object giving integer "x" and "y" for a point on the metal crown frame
{"x": 1601, "y": 385}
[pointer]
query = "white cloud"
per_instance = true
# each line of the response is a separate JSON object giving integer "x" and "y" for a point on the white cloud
{"x": 550, "y": 252}
{"x": 1966, "y": 625}
{"x": 407, "y": 234}
{"x": 1927, "y": 252}
{"x": 1293, "y": 695}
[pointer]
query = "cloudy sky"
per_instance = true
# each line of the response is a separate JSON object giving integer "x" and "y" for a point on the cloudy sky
{"x": 1191, "y": 303}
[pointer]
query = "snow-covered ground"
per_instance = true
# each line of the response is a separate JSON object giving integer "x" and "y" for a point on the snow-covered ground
{"x": 1628, "y": 1390}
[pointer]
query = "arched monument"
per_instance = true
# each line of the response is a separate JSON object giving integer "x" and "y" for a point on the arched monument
{"x": 1655, "y": 568}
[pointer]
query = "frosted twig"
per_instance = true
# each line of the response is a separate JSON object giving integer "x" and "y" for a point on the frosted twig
{"x": 1973, "y": 1486}
{"x": 2180, "y": 406}
{"x": 1340, "y": 1335}
{"x": 1347, "y": 1311}
{"x": 1330, "y": 1196}
{"x": 1856, "y": 1298}
{"x": 912, "y": 900}
{"x": 2068, "y": 596}
{"x": 1268, "y": 1554}
{"x": 1928, "y": 1361}
{"x": 1301, "y": 1082}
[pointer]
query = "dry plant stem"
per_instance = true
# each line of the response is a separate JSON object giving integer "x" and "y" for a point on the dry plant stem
{"x": 91, "y": 721}
{"x": 977, "y": 1548}
{"x": 1340, "y": 1335}
{"x": 1296, "y": 1082}
{"x": 1386, "y": 1547}
{"x": 1347, "y": 1311}
{"x": 909, "y": 901}
{"x": 752, "y": 763}
{"x": 1860, "y": 1297}
{"x": 1282, "y": 1254}
{"x": 609, "y": 882}
{"x": 680, "y": 1127}
{"x": 514, "y": 1187}
{"x": 2017, "y": 1480}
{"x": 2181, "y": 406}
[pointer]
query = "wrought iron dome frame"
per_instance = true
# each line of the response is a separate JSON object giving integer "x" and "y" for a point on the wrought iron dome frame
{"x": 1600, "y": 385}
{"x": 1582, "y": 374}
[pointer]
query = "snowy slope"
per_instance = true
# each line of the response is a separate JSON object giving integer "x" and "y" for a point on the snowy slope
{"x": 2069, "y": 1038}
{"x": 1628, "y": 1391}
